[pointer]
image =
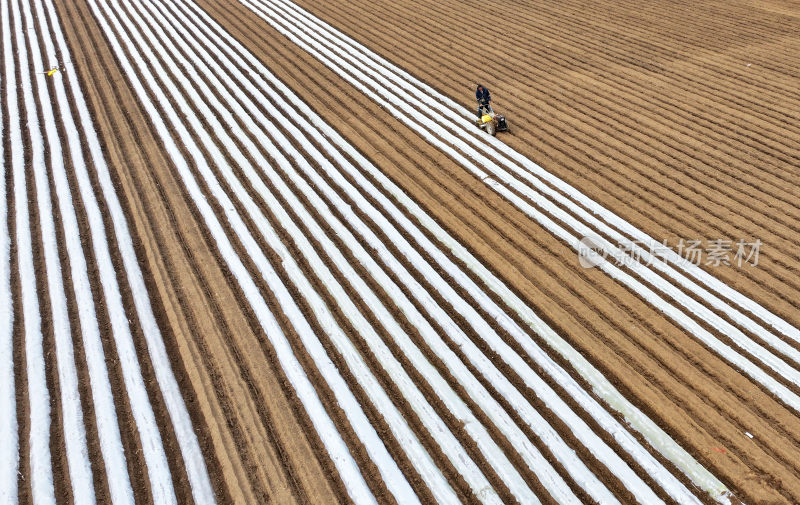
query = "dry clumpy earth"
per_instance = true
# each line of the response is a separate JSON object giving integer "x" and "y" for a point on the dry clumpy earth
{"x": 680, "y": 116}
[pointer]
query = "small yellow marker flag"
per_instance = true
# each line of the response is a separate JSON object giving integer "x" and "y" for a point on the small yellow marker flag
{"x": 51, "y": 72}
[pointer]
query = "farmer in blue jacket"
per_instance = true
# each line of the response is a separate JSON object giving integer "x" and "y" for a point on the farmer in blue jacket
{"x": 484, "y": 98}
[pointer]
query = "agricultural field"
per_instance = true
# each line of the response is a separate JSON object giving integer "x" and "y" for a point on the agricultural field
{"x": 258, "y": 251}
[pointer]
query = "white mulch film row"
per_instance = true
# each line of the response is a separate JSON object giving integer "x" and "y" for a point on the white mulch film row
{"x": 602, "y": 387}
{"x": 179, "y": 415}
{"x": 79, "y": 469}
{"x": 105, "y": 413}
{"x": 363, "y": 258}
{"x": 335, "y": 333}
{"x": 75, "y": 438}
{"x": 330, "y": 436}
{"x": 304, "y": 30}
{"x": 461, "y": 121}
{"x": 9, "y": 444}
{"x": 205, "y": 43}
{"x": 38, "y": 396}
{"x": 363, "y": 204}
{"x": 227, "y": 206}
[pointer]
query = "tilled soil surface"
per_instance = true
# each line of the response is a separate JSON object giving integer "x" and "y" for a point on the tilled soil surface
{"x": 680, "y": 117}
{"x": 248, "y": 424}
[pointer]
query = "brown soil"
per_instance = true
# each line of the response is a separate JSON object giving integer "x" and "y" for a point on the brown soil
{"x": 651, "y": 110}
